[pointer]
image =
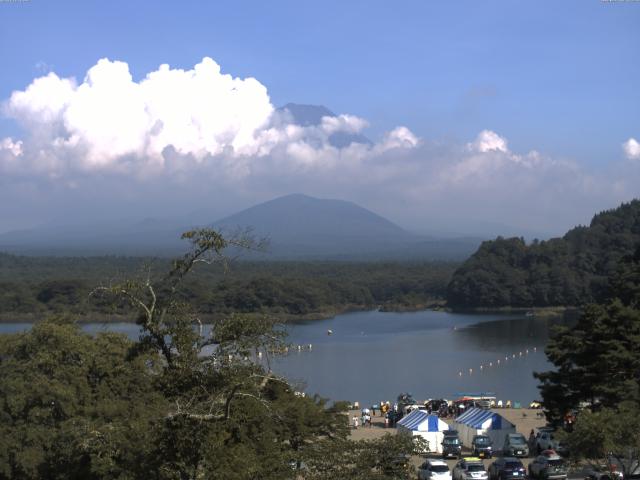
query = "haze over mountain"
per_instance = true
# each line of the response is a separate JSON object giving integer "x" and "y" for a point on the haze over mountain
{"x": 298, "y": 226}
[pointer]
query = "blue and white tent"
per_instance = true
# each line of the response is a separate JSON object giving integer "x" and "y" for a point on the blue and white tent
{"x": 477, "y": 421}
{"x": 430, "y": 427}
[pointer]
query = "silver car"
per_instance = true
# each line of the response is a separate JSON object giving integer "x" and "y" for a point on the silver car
{"x": 515, "y": 445}
{"x": 470, "y": 469}
{"x": 548, "y": 467}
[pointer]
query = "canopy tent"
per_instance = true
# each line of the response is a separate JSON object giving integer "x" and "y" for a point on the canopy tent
{"x": 477, "y": 421}
{"x": 430, "y": 427}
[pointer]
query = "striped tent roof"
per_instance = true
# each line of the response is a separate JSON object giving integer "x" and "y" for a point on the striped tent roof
{"x": 476, "y": 417}
{"x": 418, "y": 417}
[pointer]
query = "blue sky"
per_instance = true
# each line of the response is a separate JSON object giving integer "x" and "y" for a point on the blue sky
{"x": 560, "y": 78}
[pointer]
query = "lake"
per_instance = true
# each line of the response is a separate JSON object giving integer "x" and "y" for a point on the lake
{"x": 373, "y": 356}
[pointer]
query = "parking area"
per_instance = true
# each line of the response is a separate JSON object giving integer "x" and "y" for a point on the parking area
{"x": 525, "y": 420}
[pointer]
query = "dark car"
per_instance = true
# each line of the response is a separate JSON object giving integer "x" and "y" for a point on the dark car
{"x": 481, "y": 445}
{"x": 451, "y": 446}
{"x": 548, "y": 466}
{"x": 506, "y": 468}
{"x": 515, "y": 445}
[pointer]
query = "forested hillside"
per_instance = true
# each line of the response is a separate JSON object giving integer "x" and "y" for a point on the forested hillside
{"x": 566, "y": 271}
{"x": 33, "y": 287}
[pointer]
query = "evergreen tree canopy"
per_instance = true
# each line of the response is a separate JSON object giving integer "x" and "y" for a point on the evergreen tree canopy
{"x": 568, "y": 271}
{"x": 598, "y": 360}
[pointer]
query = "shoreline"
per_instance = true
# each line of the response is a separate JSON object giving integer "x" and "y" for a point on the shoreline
{"x": 434, "y": 305}
{"x": 535, "y": 311}
{"x": 8, "y": 317}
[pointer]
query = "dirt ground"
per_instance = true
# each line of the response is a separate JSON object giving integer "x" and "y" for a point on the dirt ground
{"x": 524, "y": 419}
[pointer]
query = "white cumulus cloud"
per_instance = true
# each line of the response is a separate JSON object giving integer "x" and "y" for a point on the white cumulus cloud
{"x": 11, "y": 147}
{"x": 109, "y": 121}
{"x": 109, "y": 116}
{"x": 488, "y": 141}
{"x": 632, "y": 149}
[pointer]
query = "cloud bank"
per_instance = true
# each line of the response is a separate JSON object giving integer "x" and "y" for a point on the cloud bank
{"x": 178, "y": 140}
{"x": 110, "y": 122}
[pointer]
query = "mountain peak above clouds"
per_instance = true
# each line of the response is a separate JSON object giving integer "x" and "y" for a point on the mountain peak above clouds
{"x": 311, "y": 116}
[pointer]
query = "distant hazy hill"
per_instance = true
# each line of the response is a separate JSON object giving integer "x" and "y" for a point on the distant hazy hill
{"x": 299, "y": 227}
{"x": 146, "y": 237}
{"x": 311, "y": 115}
{"x": 571, "y": 270}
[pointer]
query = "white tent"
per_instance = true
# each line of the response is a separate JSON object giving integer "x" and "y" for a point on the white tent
{"x": 477, "y": 421}
{"x": 420, "y": 424}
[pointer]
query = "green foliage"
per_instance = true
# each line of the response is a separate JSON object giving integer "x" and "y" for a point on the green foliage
{"x": 71, "y": 405}
{"x": 568, "y": 271}
{"x": 386, "y": 458}
{"x": 39, "y": 286}
{"x": 597, "y": 361}
{"x": 181, "y": 403}
{"x": 608, "y": 436}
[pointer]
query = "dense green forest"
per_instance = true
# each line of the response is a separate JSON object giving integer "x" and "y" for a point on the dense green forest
{"x": 31, "y": 287}
{"x": 567, "y": 271}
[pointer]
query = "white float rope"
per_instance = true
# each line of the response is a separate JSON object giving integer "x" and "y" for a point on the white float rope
{"x": 499, "y": 362}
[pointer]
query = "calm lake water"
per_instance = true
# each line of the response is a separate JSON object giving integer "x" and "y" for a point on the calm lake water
{"x": 373, "y": 356}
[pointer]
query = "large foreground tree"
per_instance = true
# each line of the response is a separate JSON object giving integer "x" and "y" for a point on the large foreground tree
{"x": 185, "y": 401}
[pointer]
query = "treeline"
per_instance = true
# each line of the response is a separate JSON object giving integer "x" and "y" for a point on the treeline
{"x": 33, "y": 286}
{"x": 567, "y": 271}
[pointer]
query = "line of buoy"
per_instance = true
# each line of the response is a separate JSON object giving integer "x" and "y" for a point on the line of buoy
{"x": 506, "y": 359}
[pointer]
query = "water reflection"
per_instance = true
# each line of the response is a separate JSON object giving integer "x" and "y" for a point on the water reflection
{"x": 516, "y": 333}
{"x": 375, "y": 355}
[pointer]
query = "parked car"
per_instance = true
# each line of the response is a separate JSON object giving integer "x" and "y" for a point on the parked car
{"x": 602, "y": 474}
{"x": 434, "y": 470}
{"x": 548, "y": 466}
{"x": 481, "y": 446}
{"x": 612, "y": 470}
{"x": 545, "y": 440}
{"x": 451, "y": 446}
{"x": 515, "y": 445}
{"x": 506, "y": 468}
{"x": 469, "y": 469}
